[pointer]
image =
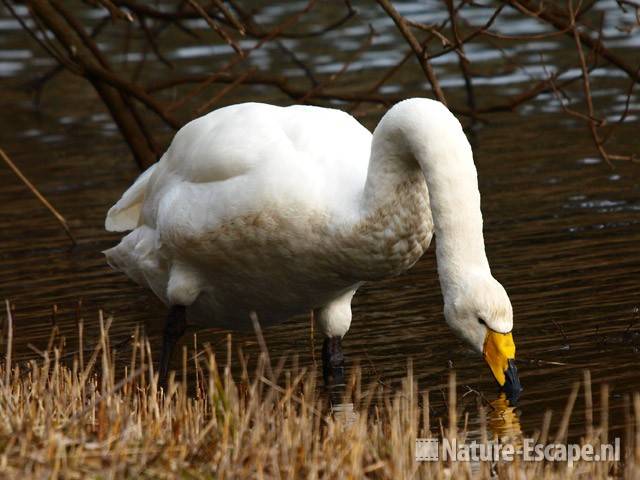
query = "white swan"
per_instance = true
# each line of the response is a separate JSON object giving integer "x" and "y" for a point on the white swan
{"x": 282, "y": 210}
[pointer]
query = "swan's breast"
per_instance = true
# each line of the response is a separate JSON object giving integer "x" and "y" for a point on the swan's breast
{"x": 391, "y": 238}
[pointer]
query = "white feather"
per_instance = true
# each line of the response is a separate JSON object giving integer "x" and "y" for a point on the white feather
{"x": 124, "y": 215}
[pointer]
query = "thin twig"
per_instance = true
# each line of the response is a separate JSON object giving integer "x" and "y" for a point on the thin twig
{"x": 230, "y": 17}
{"x": 312, "y": 338}
{"x": 345, "y": 66}
{"x": 624, "y": 113}
{"x": 216, "y": 28}
{"x": 587, "y": 90}
{"x": 238, "y": 81}
{"x": 38, "y": 195}
{"x": 114, "y": 11}
{"x": 463, "y": 62}
{"x": 9, "y": 341}
{"x": 419, "y": 50}
{"x": 263, "y": 345}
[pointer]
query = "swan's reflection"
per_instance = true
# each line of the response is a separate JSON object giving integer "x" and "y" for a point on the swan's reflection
{"x": 503, "y": 420}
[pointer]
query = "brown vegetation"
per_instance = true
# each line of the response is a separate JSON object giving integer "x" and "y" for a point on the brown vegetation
{"x": 91, "y": 414}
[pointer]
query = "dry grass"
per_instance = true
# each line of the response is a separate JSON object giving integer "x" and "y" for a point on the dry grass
{"x": 90, "y": 416}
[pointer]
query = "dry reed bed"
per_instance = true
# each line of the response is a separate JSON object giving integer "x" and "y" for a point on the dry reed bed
{"x": 91, "y": 415}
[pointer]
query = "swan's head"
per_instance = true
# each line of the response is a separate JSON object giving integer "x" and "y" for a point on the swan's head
{"x": 480, "y": 313}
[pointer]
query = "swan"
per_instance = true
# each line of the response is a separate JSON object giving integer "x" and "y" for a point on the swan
{"x": 275, "y": 211}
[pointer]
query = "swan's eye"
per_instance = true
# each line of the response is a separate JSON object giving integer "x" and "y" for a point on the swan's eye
{"x": 481, "y": 321}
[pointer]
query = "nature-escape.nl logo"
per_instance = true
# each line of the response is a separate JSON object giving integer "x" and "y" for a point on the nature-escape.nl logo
{"x": 433, "y": 449}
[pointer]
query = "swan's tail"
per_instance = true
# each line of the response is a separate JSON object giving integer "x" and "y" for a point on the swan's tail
{"x": 137, "y": 253}
{"x": 125, "y": 214}
{"x": 137, "y": 256}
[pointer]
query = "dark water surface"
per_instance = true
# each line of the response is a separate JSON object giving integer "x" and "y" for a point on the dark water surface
{"x": 562, "y": 229}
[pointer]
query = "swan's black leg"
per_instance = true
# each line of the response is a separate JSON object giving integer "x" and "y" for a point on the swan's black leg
{"x": 174, "y": 328}
{"x": 333, "y": 362}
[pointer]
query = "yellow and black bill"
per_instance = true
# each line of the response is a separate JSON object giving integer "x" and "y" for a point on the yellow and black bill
{"x": 500, "y": 352}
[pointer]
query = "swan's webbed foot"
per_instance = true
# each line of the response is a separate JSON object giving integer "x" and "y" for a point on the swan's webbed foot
{"x": 174, "y": 328}
{"x": 333, "y": 362}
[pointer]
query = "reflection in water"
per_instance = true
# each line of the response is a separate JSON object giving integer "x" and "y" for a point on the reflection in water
{"x": 344, "y": 413}
{"x": 503, "y": 420}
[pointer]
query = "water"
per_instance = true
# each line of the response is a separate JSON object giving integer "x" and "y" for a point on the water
{"x": 561, "y": 227}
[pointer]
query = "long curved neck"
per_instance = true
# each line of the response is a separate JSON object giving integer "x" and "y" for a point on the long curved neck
{"x": 420, "y": 139}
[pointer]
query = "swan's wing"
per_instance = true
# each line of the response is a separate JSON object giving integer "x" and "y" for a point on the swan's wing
{"x": 125, "y": 214}
{"x": 233, "y": 140}
{"x": 238, "y": 159}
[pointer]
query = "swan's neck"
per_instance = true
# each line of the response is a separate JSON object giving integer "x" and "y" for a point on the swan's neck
{"x": 415, "y": 144}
